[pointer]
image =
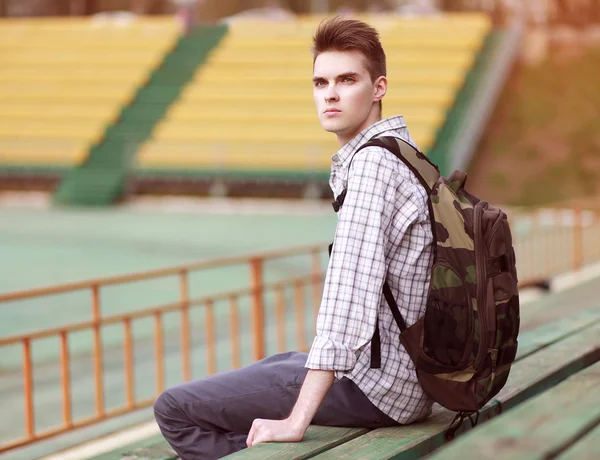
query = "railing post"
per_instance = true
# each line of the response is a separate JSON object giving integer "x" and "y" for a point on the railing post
{"x": 185, "y": 325}
{"x": 258, "y": 321}
{"x": 577, "y": 239}
{"x": 234, "y": 331}
{"x": 128, "y": 363}
{"x": 65, "y": 378}
{"x": 316, "y": 283}
{"x": 159, "y": 352}
{"x": 536, "y": 229}
{"x": 211, "y": 360}
{"x": 96, "y": 316}
{"x": 300, "y": 308}
{"x": 28, "y": 389}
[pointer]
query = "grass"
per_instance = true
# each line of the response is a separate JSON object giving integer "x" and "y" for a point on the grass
{"x": 543, "y": 143}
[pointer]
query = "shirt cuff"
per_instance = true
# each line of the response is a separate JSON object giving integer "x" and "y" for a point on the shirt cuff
{"x": 327, "y": 355}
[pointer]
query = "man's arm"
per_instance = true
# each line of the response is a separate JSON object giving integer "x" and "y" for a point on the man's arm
{"x": 357, "y": 266}
{"x": 313, "y": 391}
{"x": 353, "y": 288}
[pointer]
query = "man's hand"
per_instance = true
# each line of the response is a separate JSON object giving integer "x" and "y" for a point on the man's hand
{"x": 292, "y": 429}
{"x": 274, "y": 431}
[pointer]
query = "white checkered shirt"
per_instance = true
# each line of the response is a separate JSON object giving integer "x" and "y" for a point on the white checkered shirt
{"x": 383, "y": 233}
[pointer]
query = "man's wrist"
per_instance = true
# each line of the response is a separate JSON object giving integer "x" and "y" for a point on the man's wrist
{"x": 299, "y": 422}
{"x": 316, "y": 384}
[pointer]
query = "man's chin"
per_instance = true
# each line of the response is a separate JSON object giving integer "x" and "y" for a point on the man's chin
{"x": 332, "y": 128}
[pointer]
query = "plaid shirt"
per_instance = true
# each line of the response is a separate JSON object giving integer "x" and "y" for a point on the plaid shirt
{"x": 383, "y": 232}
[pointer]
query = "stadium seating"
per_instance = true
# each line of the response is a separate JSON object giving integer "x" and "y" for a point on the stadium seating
{"x": 63, "y": 81}
{"x": 250, "y": 105}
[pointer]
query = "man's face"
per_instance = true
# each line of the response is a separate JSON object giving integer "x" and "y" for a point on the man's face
{"x": 344, "y": 93}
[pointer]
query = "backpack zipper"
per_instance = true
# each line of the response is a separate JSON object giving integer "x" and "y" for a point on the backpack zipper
{"x": 481, "y": 285}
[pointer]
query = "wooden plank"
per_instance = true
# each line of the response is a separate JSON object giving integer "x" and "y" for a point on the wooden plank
{"x": 540, "y": 427}
{"x": 153, "y": 448}
{"x": 560, "y": 305}
{"x": 529, "y": 342}
{"x": 586, "y": 448}
{"x": 528, "y": 377}
{"x": 317, "y": 439}
{"x": 534, "y": 340}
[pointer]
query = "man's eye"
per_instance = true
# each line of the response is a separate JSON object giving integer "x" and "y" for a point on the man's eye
{"x": 348, "y": 80}
{"x": 320, "y": 84}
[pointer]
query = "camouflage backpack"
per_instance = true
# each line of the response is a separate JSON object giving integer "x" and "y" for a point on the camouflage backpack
{"x": 465, "y": 343}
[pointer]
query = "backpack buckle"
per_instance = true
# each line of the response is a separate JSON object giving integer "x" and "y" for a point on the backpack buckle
{"x": 337, "y": 204}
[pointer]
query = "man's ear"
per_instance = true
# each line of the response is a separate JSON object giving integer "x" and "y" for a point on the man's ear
{"x": 380, "y": 88}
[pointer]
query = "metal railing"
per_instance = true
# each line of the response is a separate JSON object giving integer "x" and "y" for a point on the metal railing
{"x": 547, "y": 243}
{"x": 255, "y": 293}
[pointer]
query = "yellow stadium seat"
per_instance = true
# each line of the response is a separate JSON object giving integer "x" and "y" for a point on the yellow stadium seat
{"x": 63, "y": 81}
{"x": 23, "y": 110}
{"x": 129, "y": 76}
{"x": 269, "y": 76}
{"x": 252, "y": 99}
{"x": 242, "y": 154}
{"x": 240, "y": 160}
{"x": 273, "y": 116}
{"x": 200, "y": 95}
{"x": 308, "y": 133}
{"x": 426, "y": 58}
{"x": 77, "y": 131}
{"x": 35, "y": 153}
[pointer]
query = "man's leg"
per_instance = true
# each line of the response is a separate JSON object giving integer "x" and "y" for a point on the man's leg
{"x": 211, "y": 418}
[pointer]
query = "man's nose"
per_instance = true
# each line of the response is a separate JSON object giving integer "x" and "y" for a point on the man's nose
{"x": 331, "y": 94}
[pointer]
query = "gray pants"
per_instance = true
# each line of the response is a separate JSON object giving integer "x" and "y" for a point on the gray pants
{"x": 211, "y": 418}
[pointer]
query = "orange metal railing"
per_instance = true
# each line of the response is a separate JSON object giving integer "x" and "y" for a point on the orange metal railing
{"x": 546, "y": 243}
{"x": 549, "y": 242}
{"x": 255, "y": 292}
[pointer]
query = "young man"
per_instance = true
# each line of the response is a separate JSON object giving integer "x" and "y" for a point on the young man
{"x": 383, "y": 233}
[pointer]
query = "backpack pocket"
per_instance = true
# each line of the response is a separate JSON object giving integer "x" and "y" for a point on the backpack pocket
{"x": 448, "y": 320}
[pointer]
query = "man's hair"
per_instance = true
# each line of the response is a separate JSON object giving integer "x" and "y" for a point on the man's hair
{"x": 339, "y": 34}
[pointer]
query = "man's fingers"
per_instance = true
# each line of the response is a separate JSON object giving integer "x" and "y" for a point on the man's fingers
{"x": 262, "y": 434}
{"x": 260, "y": 437}
{"x": 251, "y": 434}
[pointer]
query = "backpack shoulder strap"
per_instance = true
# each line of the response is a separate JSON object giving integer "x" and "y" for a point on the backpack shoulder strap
{"x": 427, "y": 173}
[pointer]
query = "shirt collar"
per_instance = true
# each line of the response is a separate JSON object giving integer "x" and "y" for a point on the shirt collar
{"x": 345, "y": 154}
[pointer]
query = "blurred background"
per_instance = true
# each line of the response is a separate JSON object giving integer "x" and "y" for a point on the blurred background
{"x": 164, "y": 198}
{"x": 105, "y": 101}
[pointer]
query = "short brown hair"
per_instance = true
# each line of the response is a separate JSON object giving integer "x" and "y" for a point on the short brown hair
{"x": 339, "y": 34}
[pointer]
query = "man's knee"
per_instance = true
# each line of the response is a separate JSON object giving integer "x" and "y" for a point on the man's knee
{"x": 165, "y": 406}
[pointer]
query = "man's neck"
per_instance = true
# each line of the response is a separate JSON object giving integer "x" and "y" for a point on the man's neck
{"x": 343, "y": 139}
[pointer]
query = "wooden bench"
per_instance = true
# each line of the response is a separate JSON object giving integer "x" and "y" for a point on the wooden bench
{"x": 543, "y": 361}
{"x": 546, "y": 426}
{"x": 548, "y": 354}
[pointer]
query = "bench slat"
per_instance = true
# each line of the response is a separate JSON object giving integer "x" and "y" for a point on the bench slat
{"x": 316, "y": 440}
{"x": 154, "y": 448}
{"x": 587, "y": 448}
{"x": 528, "y": 377}
{"x": 560, "y": 305}
{"x": 534, "y": 340}
{"x": 545, "y": 424}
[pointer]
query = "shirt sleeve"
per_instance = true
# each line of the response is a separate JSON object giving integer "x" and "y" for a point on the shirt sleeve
{"x": 357, "y": 266}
